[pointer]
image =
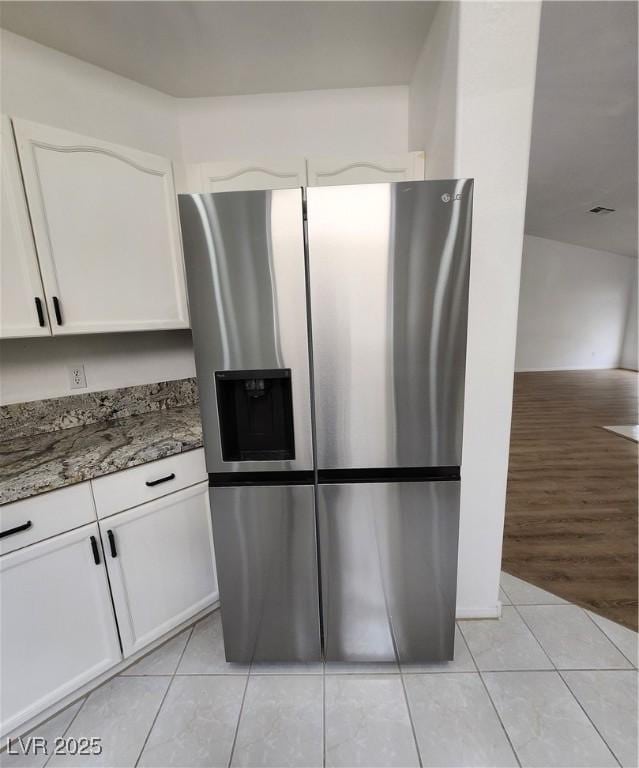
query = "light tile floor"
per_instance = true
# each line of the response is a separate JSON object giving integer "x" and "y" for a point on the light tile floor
{"x": 548, "y": 685}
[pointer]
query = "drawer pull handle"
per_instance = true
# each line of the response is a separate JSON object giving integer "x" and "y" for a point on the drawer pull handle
{"x": 38, "y": 304}
{"x": 17, "y": 529}
{"x": 57, "y": 310}
{"x": 95, "y": 550}
{"x": 151, "y": 483}
{"x": 114, "y": 551}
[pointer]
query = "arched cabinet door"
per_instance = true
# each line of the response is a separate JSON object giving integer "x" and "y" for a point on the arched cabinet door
{"x": 22, "y": 305}
{"x": 323, "y": 172}
{"x": 106, "y": 229}
{"x": 240, "y": 176}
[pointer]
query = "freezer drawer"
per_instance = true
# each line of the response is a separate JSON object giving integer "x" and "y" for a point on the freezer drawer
{"x": 389, "y": 570}
{"x": 266, "y": 556}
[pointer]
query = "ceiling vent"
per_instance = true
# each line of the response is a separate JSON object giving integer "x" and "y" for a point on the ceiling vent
{"x": 601, "y": 210}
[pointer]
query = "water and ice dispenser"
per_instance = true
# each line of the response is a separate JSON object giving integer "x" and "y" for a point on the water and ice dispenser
{"x": 255, "y": 410}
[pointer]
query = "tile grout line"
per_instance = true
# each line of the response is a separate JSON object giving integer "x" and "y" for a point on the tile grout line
{"x": 155, "y": 717}
{"x": 66, "y": 730}
{"x": 243, "y": 674}
{"x": 633, "y": 663}
{"x": 470, "y": 653}
{"x": 188, "y": 640}
{"x": 570, "y": 691}
{"x": 565, "y": 603}
{"x": 410, "y": 715}
{"x": 556, "y": 670}
{"x": 501, "y": 722}
{"x": 85, "y": 698}
{"x": 532, "y": 605}
{"x": 501, "y": 586}
{"x": 595, "y": 623}
{"x": 166, "y": 693}
{"x": 537, "y": 640}
{"x": 490, "y": 698}
{"x": 530, "y": 584}
{"x": 239, "y": 718}
{"x": 523, "y": 669}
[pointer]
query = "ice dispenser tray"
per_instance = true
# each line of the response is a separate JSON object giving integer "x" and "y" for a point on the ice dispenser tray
{"x": 255, "y": 410}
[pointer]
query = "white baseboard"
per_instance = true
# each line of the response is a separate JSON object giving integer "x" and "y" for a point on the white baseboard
{"x": 559, "y": 368}
{"x": 492, "y": 611}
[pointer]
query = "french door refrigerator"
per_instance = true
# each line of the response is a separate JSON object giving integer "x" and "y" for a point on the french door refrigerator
{"x": 329, "y": 327}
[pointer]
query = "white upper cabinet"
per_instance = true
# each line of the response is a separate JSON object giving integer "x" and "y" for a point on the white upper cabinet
{"x": 241, "y": 176}
{"x": 106, "y": 230}
{"x": 323, "y": 172}
{"x": 238, "y": 176}
{"x": 22, "y": 306}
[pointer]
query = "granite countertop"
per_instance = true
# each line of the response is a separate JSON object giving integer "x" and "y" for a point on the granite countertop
{"x": 37, "y": 463}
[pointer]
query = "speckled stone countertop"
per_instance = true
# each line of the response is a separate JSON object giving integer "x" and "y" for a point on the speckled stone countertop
{"x": 35, "y": 463}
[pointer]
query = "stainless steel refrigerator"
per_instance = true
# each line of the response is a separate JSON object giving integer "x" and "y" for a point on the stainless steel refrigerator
{"x": 329, "y": 327}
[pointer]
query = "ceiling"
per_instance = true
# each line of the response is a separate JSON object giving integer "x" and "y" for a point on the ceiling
{"x": 584, "y": 134}
{"x": 221, "y": 48}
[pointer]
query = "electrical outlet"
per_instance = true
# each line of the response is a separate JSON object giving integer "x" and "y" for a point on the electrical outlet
{"x": 77, "y": 376}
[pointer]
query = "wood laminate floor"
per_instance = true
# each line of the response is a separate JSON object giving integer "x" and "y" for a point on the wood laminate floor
{"x": 571, "y": 507}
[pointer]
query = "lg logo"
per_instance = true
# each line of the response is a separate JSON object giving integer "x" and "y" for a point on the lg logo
{"x": 446, "y": 198}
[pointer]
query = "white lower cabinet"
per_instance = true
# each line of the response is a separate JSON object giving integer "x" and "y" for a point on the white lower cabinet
{"x": 161, "y": 564}
{"x": 149, "y": 568}
{"x": 57, "y": 630}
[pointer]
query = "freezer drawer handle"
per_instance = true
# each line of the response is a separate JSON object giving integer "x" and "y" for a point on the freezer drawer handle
{"x": 17, "y": 529}
{"x": 114, "y": 551}
{"x": 95, "y": 550}
{"x": 151, "y": 483}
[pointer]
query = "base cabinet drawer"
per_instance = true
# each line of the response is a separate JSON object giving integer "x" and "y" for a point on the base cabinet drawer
{"x": 48, "y": 514}
{"x": 161, "y": 564}
{"x": 137, "y": 485}
{"x": 57, "y": 630}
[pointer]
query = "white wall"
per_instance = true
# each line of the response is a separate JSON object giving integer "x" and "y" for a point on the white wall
{"x": 432, "y": 111}
{"x": 349, "y": 121}
{"x": 488, "y": 60}
{"x": 46, "y": 86}
{"x": 40, "y": 84}
{"x": 493, "y": 81}
{"x": 496, "y": 83}
{"x": 34, "y": 369}
{"x": 573, "y": 306}
{"x": 630, "y": 348}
